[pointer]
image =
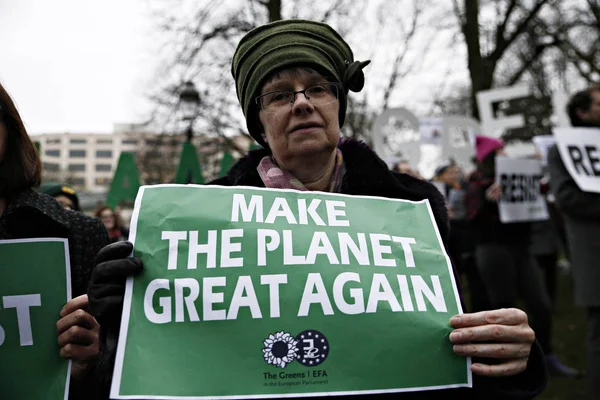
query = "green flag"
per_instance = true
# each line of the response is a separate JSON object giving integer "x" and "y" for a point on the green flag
{"x": 189, "y": 170}
{"x": 126, "y": 181}
{"x": 265, "y": 293}
{"x": 34, "y": 286}
{"x": 226, "y": 163}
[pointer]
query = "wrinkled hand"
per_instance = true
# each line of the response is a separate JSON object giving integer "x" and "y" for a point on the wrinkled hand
{"x": 494, "y": 192}
{"x": 78, "y": 336}
{"x": 502, "y": 334}
{"x": 107, "y": 286}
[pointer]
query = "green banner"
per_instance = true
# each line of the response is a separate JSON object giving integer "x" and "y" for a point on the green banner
{"x": 126, "y": 181}
{"x": 188, "y": 170}
{"x": 35, "y": 284}
{"x": 226, "y": 163}
{"x": 263, "y": 293}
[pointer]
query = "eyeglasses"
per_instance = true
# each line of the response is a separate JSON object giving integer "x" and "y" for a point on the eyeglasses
{"x": 282, "y": 100}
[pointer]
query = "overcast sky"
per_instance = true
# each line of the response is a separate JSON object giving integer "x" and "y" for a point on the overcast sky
{"x": 75, "y": 66}
{"x": 81, "y": 66}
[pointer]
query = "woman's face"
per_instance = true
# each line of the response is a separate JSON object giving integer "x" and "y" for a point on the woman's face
{"x": 108, "y": 219}
{"x": 452, "y": 175}
{"x": 305, "y": 129}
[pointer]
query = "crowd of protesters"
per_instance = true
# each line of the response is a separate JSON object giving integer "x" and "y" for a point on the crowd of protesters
{"x": 498, "y": 260}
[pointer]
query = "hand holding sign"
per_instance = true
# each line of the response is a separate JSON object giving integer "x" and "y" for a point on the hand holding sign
{"x": 494, "y": 192}
{"x": 502, "y": 334}
{"x": 78, "y": 336}
{"x": 107, "y": 286}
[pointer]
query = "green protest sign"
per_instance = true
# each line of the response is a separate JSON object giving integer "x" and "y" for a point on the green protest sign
{"x": 35, "y": 283}
{"x": 264, "y": 293}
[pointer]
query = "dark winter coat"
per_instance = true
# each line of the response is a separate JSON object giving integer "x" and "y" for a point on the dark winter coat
{"x": 581, "y": 212}
{"x": 35, "y": 215}
{"x": 484, "y": 218}
{"x": 368, "y": 175}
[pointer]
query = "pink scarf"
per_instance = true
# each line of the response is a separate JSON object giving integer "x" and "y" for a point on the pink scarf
{"x": 277, "y": 178}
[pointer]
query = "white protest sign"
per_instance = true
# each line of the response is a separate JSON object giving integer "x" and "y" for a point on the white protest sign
{"x": 579, "y": 149}
{"x": 458, "y": 139}
{"x": 543, "y": 143}
{"x": 521, "y": 198}
{"x": 393, "y": 138}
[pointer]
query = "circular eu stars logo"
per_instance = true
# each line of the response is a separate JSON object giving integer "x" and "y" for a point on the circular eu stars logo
{"x": 313, "y": 348}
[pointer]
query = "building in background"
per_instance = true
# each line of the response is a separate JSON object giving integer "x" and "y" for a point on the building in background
{"x": 88, "y": 160}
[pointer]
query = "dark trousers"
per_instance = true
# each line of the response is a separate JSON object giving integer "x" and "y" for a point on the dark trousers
{"x": 547, "y": 263}
{"x": 477, "y": 290}
{"x": 594, "y": 350}
{"x": 508, "y": 272}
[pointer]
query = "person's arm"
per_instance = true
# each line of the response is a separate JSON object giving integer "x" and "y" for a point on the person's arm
{"x": 569, "y": 198}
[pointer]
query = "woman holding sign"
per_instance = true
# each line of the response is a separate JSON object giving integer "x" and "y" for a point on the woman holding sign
{"x": 502, "y": 251}
{"x": 292, "y": 80}
{"x": 24, "y": 213}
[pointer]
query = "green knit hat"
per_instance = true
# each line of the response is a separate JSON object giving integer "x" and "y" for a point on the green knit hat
{"x": 291, "y": 43}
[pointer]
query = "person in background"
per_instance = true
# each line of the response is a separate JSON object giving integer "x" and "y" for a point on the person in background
{"x": 63, "y": 193}
{"x": 112, "y": 223}
{"x": 460, "y": 242}
{"x": 25, "y": 213}
{"x": 502, "y": 252}
{"x": 581, "y": 213}
{"x": 403, "y": 167}
{"x": 294, "y": 99}
{"x": 545, "y": 243}
{"x": 451, "y": 175}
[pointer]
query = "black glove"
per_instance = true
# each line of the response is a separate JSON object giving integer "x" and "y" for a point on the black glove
{"x": 107, "y": 286}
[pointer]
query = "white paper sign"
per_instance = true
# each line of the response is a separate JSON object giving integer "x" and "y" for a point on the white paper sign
{"x": 543, "y": 143}
{"x": 521, "y": 198}
{"x": 579, "y": 149}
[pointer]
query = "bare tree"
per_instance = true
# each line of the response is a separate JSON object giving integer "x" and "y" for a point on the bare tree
{"x": 489, "y": 41}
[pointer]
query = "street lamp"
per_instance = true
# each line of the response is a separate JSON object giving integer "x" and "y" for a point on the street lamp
{"x": 189, "y": 102}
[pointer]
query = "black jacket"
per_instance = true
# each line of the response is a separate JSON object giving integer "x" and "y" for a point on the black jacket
{"x": 34, "y": 215}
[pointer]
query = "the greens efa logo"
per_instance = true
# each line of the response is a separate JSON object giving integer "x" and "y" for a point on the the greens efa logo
{"x": 309, "y": 348}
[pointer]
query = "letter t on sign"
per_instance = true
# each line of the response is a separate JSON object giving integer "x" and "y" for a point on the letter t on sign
{"x": 22, "y": 304}
{"x": 173, "y": 237}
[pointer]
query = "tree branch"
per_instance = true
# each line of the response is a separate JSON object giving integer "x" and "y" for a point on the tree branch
{"x": 501, "y": 30}
{"x": 529, "y": 59}
{"x": 503, "y": 43}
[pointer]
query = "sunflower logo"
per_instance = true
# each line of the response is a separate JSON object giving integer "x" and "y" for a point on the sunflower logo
{"x": 280, "y": 349}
